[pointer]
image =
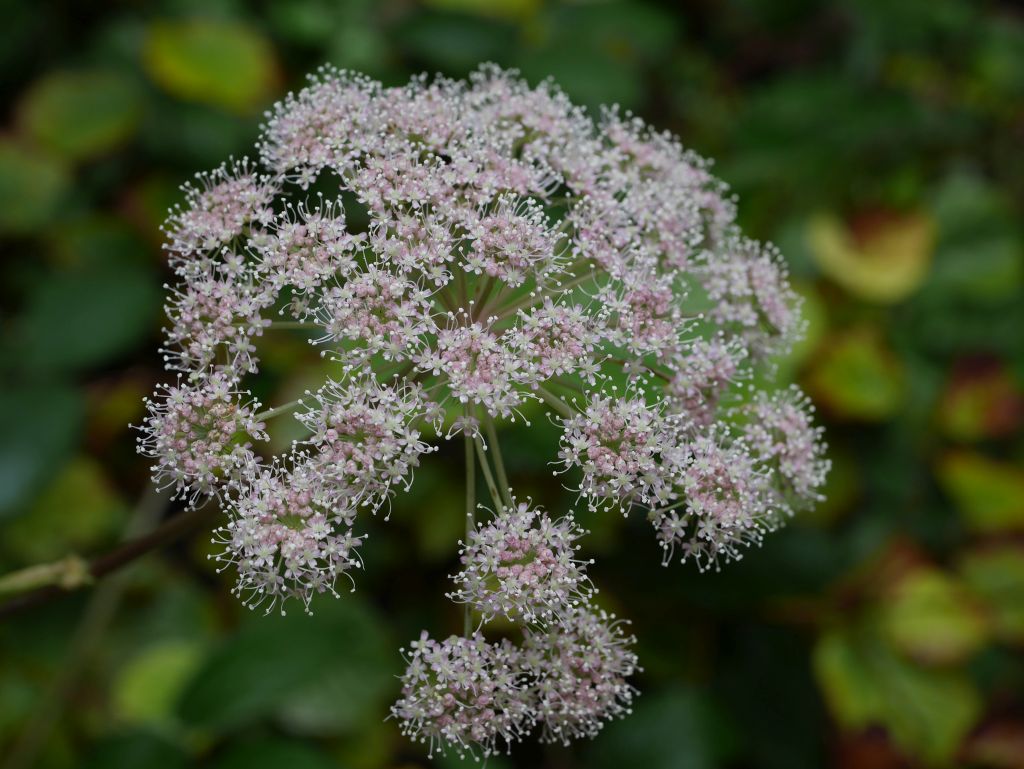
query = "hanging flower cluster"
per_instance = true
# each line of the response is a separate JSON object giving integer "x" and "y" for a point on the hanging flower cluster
{"x": 461, "y": 253}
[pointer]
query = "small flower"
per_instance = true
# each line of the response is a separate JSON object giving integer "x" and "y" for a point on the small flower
{"x": 227, "y": 200}
{"x": 365, "y": 440}
{"x": 463, "y": 693}
{"x": 289, "y": 536}
{"x": 387, "y": 314}
{"x": 783, "y": 438}
{"x": 724, "y": 503}
{"x": 579, "y": 671}
{"x": 618, "y": 443}
{"x": 752, "y": 296}
{"x": 702, "y": 376}
{"x": 523, "y": 566}
{"x": 200, "y": 436}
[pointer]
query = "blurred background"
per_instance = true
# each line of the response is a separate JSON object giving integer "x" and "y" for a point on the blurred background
{"x": 878, "y": 142}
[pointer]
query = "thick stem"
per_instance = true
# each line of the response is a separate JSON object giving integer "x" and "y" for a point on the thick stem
{"x": 167, "y": 532}
{"x": 88, "y": 635}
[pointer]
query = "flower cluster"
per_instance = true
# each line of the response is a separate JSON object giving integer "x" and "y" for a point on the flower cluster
{"x": 477, "y": 697}
{"x": 464, "y": 693}
{"x": 456, "y": 255}
{"x": 523, "y": 566}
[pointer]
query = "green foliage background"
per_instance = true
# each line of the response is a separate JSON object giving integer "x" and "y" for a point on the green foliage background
{"x": 880, "y": 143}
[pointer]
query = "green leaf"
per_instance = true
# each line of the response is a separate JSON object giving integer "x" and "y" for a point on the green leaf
{"x": 509, "y": 9}
{"x": 149, "y": 685}
{"x": 455, "y": 42}
{"x": 133, "y": 750}
{"x": 988, "y": 492}
{"x": 81, "y": 114}
{"x": 979, "y": 254}
{"x": 931, "y": 618}
{"x": 996, "y": 575}
{"x": 78, "y": 510}
{"x": 32, "y": 185}
{"x": 39, "y": 425}
{"x": 684, "y": 716}
{"x": 927, "y": 712}
{"x": 226, "y": 64}
{"x": 89, "y": 313}
{"x": 301, "y": 668}
{"x": 272, "y": 753}
{"x": 857, "y": 377}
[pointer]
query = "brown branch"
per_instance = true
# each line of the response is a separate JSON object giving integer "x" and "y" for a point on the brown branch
{"x": 170, "y": 530}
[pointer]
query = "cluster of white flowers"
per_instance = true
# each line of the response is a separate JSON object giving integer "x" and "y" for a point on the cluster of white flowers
{"x": 458, "y": 253}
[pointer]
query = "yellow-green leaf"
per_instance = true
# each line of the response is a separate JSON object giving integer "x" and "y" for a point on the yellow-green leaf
{"x": 77, "y": 511}
{"x": 505, "y": 9}
{"x": 31, "y": 187}
{"x": 856, "y": 376}
{"x": 81, "y": 114}
{"x": 884, "y": 258}
{"x": 226, "y": 64}
{"x": 148, "y": 686}
{"x": 927, "y": 712}
{"x": 996, "y": 575}
{"x": 988, "y": 492}
{"x": 931, "y": 618}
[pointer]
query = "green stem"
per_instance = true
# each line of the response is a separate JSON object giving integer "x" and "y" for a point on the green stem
{"x": 467, "y": 621}
{"x": 499, "y": 462}
{"x": 488, "y": 477}
{"x": 293, "y": 325}
{"x": 483, "y": 292}
{"x": 276, "y": 412}
{"x": 534, "y": 299}
{"x": 556, "y": 403}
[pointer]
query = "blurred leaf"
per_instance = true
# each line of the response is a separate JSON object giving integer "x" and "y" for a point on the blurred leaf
{"x": 927, "y": 712}
{"x": 38, "y": 427}
{"x": 89, "y": 313}
{"x": 304, "y": 668}
{"x": 81, "y": 114}
{"x": 455, "y": 42}
{"x": 623, "y": 31}
{"x": 508, "y": 9}
{"x": 979, "y": 253}
{"x": 983, "y": 400}
{"x": 812, "y": 308}
{"x": 589, "y": 77}
{"x": 353, "y": 687}
{"x": 227, "y": 64}
{"x": 881, "y": 258}
{"x": 133, "y": 750}
{"x": 149, "y": 685}
{"x": 31, "y": 187}
{"x": 996, "y": 575}
{"x": 78, "y": 510}
{"x": 855, "y": 376}
{"x": 931, "y": 618}
{"x": 989, "y": 493}
{"x": 997, "y": 745}
{"x": 684, "y": 716}
{"x": 272, "y": 753}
